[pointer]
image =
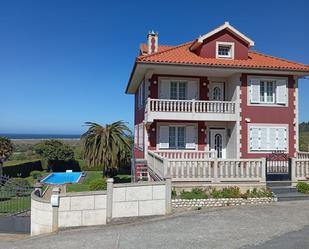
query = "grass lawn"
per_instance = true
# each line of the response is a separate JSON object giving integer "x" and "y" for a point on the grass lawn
{"x": 92, "y": 175}
{"x": 14, "y": 205}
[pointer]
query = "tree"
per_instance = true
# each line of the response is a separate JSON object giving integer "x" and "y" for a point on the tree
{"x": 106, "y": 146}
{"x": 54, "y": 150}
{"x": 6, "y": 150}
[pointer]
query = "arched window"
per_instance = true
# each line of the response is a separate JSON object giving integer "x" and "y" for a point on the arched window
{"x": 218, "y": 145}
{"x": 217, "y": 93}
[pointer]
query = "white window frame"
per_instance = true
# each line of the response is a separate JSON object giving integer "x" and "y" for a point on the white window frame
{"x": 140, "y": 140}
{"x": 178, "y": 82}
{"x": 176, "y": 125}
{"x": 177, "y": 147}
{"x": 182, "y": 79}
{"x": 274, "y": 102}
{"x": 265, "y": 94}
{"x": 267, "y": 126}
{"x": 225, "y": 44}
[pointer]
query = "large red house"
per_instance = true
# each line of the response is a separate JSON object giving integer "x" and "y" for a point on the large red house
{"x": 210, "y": 100}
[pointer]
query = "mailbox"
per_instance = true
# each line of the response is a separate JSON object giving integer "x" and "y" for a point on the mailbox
{"x": 54, "y": 200}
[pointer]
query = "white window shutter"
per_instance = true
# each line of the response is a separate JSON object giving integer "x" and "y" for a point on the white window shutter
{"x": 254, "y": 138}
{"x": 255, "y": 91}
{"x": 264, "y": 138}
{"x": 281, "y": 93}
{"x": 282, "y": 139}
{"x": 164, "y": 137}
{"x": 135, "y": 135}
{"x": 272, "y": 138}
{"x": 164, "y": 89}
{"x": 190, "y": 137}
{"x": 192, "y": 90}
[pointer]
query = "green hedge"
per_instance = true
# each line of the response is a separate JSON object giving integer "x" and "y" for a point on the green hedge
{"x": 22, "y": 169}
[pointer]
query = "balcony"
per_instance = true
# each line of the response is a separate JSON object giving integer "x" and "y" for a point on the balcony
{"x": 195, "y": 110}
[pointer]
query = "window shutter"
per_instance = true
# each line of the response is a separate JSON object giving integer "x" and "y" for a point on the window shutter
{"x": 164, "y": 137}
{"x": 141, "y": 136}
{"x": 164, "y": 89}
{"x": 254, "y": 138}
{"x": 281, "y": 94}
{"x": 135, "y": 135}
{"x": 272, "y": 136}
{"x": 190, "y": 137}
{"x": 255, "y": 91}
{"x": 263, "y": 138}
{"x": 192, "y": 90}
{"x": 282, "y": 139}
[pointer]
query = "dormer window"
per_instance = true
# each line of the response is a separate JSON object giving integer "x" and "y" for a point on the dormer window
{"x": 225, "y": 50}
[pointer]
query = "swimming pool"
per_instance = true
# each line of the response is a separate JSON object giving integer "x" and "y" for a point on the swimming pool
{"x": 62, "y": 178}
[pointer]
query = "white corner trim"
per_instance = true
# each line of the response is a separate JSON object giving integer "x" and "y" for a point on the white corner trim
{"x": 226, "y": 25}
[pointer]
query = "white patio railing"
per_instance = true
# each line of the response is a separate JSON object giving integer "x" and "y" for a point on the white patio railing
{"x": 300, "y": 169}
{"x": 208, "y": 170}
{"x": 302, "y": 155}
{"x": 197, "y": 106}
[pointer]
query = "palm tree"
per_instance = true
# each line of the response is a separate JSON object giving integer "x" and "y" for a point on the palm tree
{"x": 6, "y": 150}
{"x": 107, "y": 146}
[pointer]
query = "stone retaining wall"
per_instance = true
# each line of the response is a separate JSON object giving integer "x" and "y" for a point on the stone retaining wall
{"x": 220, "y": 202}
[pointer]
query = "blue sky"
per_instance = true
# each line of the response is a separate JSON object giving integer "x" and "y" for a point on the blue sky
{"x": 66, "y": 62}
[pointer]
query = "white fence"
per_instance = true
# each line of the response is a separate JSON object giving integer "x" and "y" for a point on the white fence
{"x": 209, "y": 170}
{"x": 198, "y": 106}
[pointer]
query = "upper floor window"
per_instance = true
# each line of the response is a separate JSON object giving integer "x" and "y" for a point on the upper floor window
{"x": 178, "y": 90}
{"x": 268, "y": 91}
{"x": 225, "y": 50}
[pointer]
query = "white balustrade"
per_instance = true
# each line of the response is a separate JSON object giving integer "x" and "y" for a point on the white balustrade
{"x": 198, "y": 106}
{"x": 185, "y": 154}
{"x": 302, "y": 155}
{"x": 300, "y": 169}
{"x": 179, "y": 167}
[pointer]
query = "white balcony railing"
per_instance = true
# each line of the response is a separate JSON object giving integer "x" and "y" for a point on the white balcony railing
{"x": 185, "y": 154}
{"x": 190, "y": 106}
{"x": 208, "y": 170}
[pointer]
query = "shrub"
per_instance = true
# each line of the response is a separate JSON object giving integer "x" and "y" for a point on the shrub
{"x": 302, "y": 187}
{"x": 36, "y": 174}
{"x": 174, "y": 194}
{"x": 98, "y": 184}
{"x": 228, "y": 192}
{"x": 196, "y": 193}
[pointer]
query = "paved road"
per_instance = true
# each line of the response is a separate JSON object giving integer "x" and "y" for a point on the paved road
{"x": 279, "y": 225}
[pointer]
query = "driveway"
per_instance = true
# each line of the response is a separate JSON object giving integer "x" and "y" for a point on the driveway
{"x": 278, "y": 225}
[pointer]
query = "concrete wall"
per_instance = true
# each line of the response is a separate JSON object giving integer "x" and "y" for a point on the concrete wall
{"x": 82, "y": 209}
{"x": 99, "y": 207}
{"x": 41, "y": 216}
{"x": 138, "y": 199}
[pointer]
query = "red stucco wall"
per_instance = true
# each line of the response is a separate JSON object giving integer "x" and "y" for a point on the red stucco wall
{"x": 267, "y": 115}
{"x": 208, "y": 48}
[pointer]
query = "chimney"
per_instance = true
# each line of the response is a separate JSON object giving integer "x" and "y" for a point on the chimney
{"x": 152, "y": 38}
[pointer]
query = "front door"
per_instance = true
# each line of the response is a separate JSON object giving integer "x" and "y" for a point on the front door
{"x": 217, "y": 91}
{"x": 217, "y": 142}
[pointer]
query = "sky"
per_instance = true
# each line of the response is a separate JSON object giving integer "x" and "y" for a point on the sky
{"x": 63, "y": 62}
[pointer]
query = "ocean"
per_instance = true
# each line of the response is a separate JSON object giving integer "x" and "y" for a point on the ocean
{"x": 40, "y": 136}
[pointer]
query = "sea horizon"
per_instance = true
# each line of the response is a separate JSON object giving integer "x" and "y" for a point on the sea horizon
{"x": 36, "y": 136}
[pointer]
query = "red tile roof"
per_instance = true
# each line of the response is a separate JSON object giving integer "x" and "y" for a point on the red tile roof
{"x": 182, "y": 55}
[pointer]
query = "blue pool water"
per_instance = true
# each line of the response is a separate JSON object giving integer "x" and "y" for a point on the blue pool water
{"x": 61, "y": 178}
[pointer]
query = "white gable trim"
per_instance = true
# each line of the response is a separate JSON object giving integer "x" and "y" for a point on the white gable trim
{"x": 226, "y": 25}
